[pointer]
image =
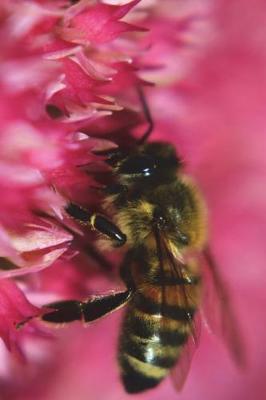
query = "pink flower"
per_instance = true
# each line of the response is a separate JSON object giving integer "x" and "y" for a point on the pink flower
{"x": 14, "y": 309}
{"x": 68, "y": 78}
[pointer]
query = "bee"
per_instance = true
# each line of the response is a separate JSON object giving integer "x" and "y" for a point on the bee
{"x": 159, "y": 215}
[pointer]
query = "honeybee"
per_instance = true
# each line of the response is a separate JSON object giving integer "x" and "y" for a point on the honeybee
{"x": 160, "y": 216}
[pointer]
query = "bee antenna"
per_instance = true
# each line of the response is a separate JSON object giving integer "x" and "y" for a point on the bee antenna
{"x": 147, "y": 114}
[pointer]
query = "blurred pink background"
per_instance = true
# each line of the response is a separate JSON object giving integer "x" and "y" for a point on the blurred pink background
{"x": 210, "y": 102}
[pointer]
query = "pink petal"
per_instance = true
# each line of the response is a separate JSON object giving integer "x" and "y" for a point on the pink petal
{"x": 99, "y": 24}
{"x": 14, "y": 308}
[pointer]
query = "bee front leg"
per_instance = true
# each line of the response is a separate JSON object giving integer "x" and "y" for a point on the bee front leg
{"x": 98, "y": 222}
{"x": 89, "y": 310}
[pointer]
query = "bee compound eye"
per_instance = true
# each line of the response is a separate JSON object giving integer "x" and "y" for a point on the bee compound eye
{"x": 140, "y": 164}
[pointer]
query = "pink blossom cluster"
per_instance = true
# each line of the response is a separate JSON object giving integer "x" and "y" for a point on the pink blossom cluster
{"x": 68, "y": 77}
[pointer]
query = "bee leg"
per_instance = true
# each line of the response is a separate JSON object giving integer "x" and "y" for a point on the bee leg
{"x": 86, "y": 311}
{"x": 97, "y": 222}
{"x": 146, "y": 112}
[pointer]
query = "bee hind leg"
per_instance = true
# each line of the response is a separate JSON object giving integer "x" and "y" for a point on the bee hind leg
{"x": 87, "y": 311}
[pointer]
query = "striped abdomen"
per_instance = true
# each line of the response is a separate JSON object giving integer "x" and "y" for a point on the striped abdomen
{"x": 155, "y": 329}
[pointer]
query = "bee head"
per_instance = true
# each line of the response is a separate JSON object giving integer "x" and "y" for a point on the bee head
{"x": 152, "y": 161}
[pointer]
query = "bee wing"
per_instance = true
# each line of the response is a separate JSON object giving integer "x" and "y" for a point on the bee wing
{"x": 217, "y": 309}
{"x": 180, "y": 371}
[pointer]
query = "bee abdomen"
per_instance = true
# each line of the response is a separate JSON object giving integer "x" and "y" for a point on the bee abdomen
{"x": 151, "y": 342}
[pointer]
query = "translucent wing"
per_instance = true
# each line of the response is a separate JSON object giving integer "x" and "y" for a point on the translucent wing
{"x": 218, "y": 311}
{"x": 185, "y": 299}
{"x": 180, "y": 372}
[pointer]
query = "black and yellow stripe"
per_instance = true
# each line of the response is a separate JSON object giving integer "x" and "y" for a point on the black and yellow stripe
{"x": 153, "y": 336}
